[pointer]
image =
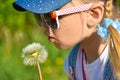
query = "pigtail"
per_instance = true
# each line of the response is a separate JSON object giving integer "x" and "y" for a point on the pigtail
{"x": 114, "y": 41}
{"x": 114, "y": 50}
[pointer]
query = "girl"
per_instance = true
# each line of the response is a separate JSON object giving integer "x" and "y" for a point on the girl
{"x": 91, "y": 26}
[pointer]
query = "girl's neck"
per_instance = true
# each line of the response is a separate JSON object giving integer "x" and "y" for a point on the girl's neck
{"x": 93, "y": 47}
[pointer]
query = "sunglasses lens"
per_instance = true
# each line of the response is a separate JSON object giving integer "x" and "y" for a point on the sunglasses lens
{"x": 38, "y": 19}
{"x": 46, "y": 19}
{"x": 51, "y": 22}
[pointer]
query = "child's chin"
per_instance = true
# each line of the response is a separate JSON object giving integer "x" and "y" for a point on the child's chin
{"x": 62, "y": 47}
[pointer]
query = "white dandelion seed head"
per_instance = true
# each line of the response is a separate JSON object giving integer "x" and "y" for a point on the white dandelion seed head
{"x": 34, "y": 53}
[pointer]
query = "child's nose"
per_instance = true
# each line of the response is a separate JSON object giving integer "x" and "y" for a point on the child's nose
{"x": 47, "y": 31}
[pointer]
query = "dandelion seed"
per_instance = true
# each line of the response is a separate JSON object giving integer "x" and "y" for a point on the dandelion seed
{"x": 34, "y": 53}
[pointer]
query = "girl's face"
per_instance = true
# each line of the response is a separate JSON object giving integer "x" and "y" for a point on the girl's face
{"x": 71, "y": 30}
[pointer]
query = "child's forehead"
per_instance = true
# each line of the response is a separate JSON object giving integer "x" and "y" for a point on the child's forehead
{"x": 39, "y": 6}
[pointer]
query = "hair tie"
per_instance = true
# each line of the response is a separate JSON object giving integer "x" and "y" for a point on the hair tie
{"x": 102, "y": 30}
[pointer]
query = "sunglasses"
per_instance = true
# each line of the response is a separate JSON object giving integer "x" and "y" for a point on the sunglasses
{"x": 52, "y": 19}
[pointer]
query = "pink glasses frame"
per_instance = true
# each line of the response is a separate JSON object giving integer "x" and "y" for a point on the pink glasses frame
{"x": 75, "y": 9}
{"x": 71, "y": 10}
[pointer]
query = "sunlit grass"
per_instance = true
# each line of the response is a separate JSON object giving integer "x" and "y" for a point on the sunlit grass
{"x": 18, "y": 29}
{"x": 14, "y": 36}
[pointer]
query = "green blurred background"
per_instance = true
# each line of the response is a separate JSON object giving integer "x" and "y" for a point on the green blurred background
{"x": 18, "y": 29}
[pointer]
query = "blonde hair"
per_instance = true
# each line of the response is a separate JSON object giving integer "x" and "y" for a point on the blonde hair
{"x": 111, "y": 12}
{"x": 114, "y": 42}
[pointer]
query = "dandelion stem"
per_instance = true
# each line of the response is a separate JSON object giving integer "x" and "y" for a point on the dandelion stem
{"x": 39, "y": 71}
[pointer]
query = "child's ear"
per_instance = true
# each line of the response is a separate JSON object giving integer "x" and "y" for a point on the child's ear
{"x": 95, "y": 15}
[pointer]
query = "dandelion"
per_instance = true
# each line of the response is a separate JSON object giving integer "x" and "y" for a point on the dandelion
{"x": 34, "y": 54}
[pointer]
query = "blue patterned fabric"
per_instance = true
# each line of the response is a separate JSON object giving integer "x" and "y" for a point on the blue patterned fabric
{"x": 39, "y": 6}
{"x": 107, "y": 71}
{"x": 103, "y": 28}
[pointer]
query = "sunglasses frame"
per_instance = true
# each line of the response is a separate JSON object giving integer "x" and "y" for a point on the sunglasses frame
{"x": 55, "y": 14}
